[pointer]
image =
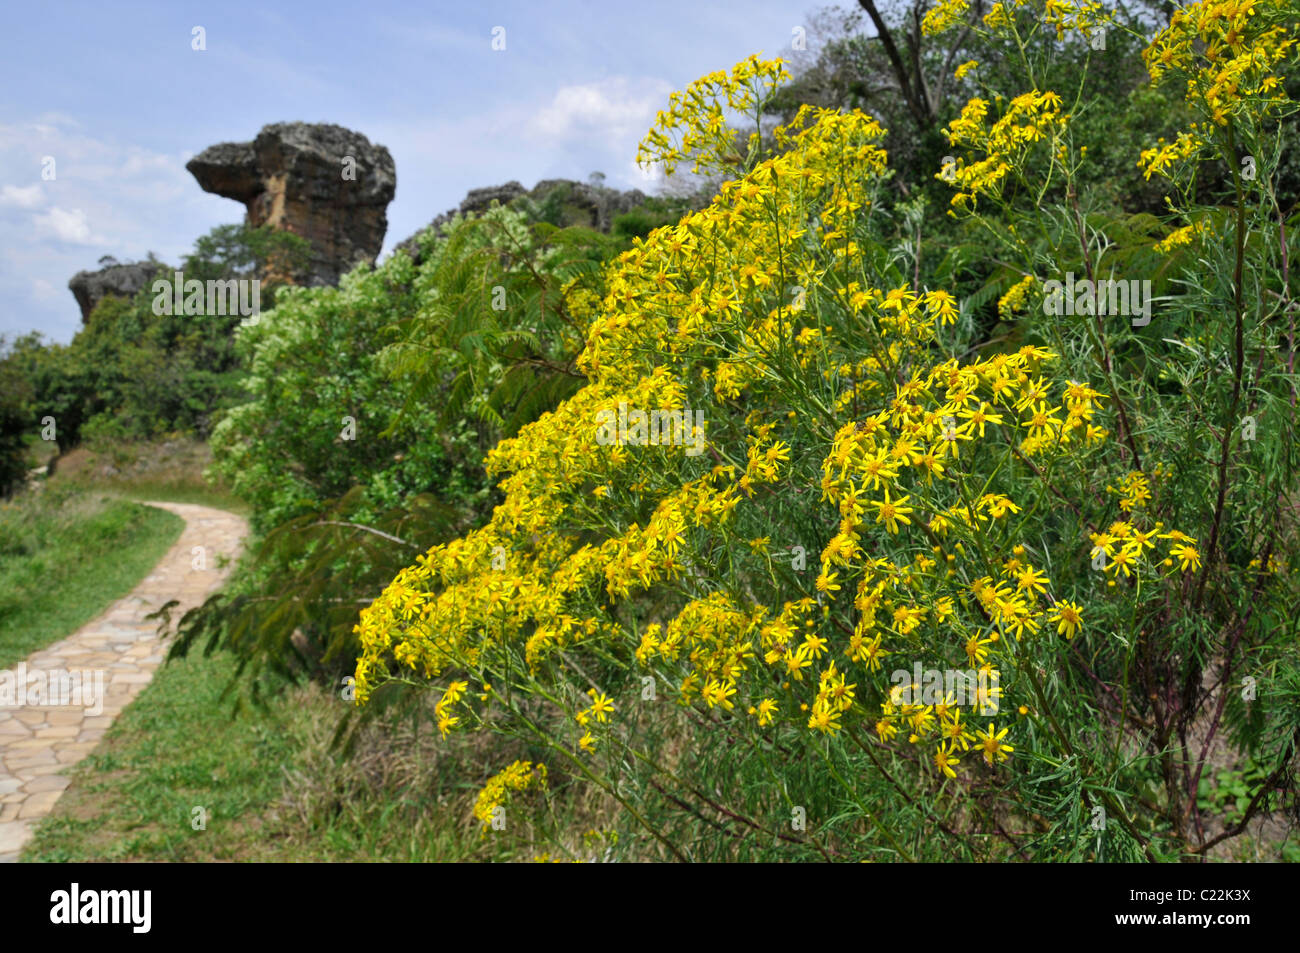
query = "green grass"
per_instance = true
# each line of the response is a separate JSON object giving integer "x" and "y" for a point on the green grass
{"x": 176, "y": 491}
{"x": 272, "y": 787}
{"x": 173, "y": 749}
{"x": 65, "y": 556}
{"x": 170, "y": 471}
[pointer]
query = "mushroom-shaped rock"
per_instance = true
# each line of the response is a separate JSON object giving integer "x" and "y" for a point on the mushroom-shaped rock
{"x": 328, "y": 184}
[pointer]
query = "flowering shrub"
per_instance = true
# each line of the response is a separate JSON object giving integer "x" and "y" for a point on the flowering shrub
{"x": 907, "y": 590}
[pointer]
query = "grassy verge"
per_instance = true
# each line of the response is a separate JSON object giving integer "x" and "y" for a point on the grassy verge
{"x": 271, "y": 787}
{"x": 176, "y": 492}
{"x": 170, "y": 470}
{"x": 65, "y": 556}
{"x": 269, "y": 783}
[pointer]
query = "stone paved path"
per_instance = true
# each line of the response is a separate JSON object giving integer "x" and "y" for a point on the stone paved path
{"x": 39, "y": 742}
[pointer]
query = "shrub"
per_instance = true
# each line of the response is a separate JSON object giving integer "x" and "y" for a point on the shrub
{"x": 705, "y": 627}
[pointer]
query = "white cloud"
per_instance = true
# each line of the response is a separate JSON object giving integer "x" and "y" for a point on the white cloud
{"x": 649, "y": 179}
{"x": 67, "y": 226}
{"x": 148, "y": 163}
{"x": 110, "y": 196}
{"x": 29, "y": 197}
{"x": 563, "y": 132}
{"x": 616, "y": 107}
{"x": 57, "y": 119}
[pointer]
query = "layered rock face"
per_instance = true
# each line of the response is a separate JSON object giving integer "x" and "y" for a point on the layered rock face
{"x": 574, "y": 203}
{"x": 122, "y": 280}
{"x": 328, "y": 184}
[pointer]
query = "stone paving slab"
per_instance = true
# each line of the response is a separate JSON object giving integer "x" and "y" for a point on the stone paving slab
{"x": 119, "y": 651}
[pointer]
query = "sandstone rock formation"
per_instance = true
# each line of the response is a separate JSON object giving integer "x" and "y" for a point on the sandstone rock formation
{"x": 567, "y": 202}
{"x": 328, "y": 184}
{"x": 122, "y": 280}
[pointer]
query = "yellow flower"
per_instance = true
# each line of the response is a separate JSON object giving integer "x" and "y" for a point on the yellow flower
{"x": 1042, "y": 423}
{"x": 954, "y": 732}
{"x": 601, "y": 705}
{"x": 827, "y": 582}
{"x": 892, "y": 512}
{"x": 824, "y": 719}
{"x": 1188, "y": 557}
{"x": 872, "y": 654}
{"x": 1124, "y": 561}
{"x": 1031, "y": 580}
{"x": 796, "y": 662}
{"x": 944, "y": 759}
{"x": 975, "y": 650}
{"x": 990, "y": 742}
{"x": 719, "y": 693}
{"x": 695, "y": 127}
{"x": 1069, "y": 618}
{"x": 943, "y": 16}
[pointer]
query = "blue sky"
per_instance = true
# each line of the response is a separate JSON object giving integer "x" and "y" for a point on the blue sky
{"x": 115, "y": 93}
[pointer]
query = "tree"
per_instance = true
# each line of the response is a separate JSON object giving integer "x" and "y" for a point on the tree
{"x": 15, "y": 413}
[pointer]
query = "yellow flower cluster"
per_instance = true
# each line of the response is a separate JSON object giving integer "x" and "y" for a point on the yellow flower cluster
{"x": 1014, "y": 299}
{"x": 582, "y": 304}
{"x": 918, "y": 439}
{"x": 1163, "y": 156}
{"x": 1121, "y": 549}
{"x": 1062, "y": 15}
{"x": 1135, "y": 491}
{"x": 1081, "y": 18}
{"x": 1182, "y": 236}
{"x": 942, "y": 16}
{"x": 600, "y": 709}
{"x": 695, "y": 127}
{"x": 1276, "y": 564}
{"x": 519, "y": 776}
{"x": 1029, "y": 118}
{"x": 1227, "y": 51}
{"x": 524, "y": 575}
{"x": 442, "y": 710}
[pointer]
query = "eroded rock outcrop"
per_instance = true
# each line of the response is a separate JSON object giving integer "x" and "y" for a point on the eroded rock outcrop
{"x": 580, "y": 203}
{"x": 328, "y": 184}
{"x": 563, "y": 201}
{"x": 122, "y": 280}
